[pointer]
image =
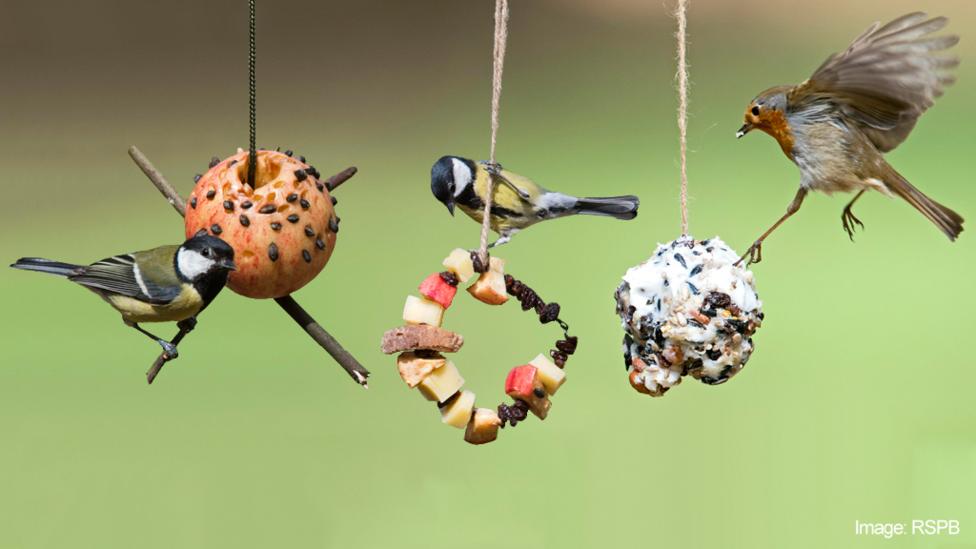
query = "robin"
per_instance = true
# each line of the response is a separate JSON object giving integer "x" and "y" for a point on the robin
{"x": 859, "y": 104}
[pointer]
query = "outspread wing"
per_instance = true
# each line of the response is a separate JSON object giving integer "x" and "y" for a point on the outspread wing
{"x": 120, "y": 275}
{"x": 886, "y": 78}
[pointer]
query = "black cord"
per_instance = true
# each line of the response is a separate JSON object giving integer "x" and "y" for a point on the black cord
{"x": 252, "y": 57}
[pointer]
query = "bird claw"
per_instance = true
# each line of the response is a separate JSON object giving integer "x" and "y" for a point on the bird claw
{"x": 752, "y": 255}
{"x": 169, "y": 350}
{"x": 494, "y": 168}
{"x": 848, "y": 219}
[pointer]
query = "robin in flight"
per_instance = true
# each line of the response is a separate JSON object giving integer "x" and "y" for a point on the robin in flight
{"x": 859, "y": 104}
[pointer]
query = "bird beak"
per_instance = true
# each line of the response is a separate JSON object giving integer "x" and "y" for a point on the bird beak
{"x": 228, "y": 264}
{"x": 450, "y": 207}
{"x": 746, "y": 128}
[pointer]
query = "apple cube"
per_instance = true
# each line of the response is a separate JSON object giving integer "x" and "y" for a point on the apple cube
{"x": 418, "y": 310}
{"x": 435, "y": 289}
{"x": 551, "y": 376}
{"x": 459, "y": 263}
{"x": 456, "y": 412}
{"x": 523, "y": 384}
{"x": 413, "y": 368}
{"x": 496, "y": 264}
{"x": 443, "y": 382}
{"x": 483, "y": 427}
{"x": 490, "y": 288}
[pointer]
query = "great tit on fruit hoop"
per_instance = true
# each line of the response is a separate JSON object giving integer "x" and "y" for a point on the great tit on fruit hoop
{"x": 164, "y": 284}
{"x": 518, "y": 202}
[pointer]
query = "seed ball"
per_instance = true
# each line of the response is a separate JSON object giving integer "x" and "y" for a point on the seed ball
{"x": 688, "y": 310}
{"x": 271, "y": 248}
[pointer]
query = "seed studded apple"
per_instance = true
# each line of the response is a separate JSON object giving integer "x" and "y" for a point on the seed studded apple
{"x": 435, "y": 288}
{"x": 443, "y": 382}
{"x": 418, "y": 310}
{"x": 483, "y": 427}
{"x": 283, "y": 229}
{"x": 414, "y": 368}
{"x": 456, "y": 412}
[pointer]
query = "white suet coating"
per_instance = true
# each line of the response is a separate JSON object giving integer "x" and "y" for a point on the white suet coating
{"x": 687, "y": 310}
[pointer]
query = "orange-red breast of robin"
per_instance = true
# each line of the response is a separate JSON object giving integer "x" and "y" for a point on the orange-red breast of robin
{"x": 859, "y": 104}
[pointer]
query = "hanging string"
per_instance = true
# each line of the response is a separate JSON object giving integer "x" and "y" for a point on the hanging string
{"x": 252, "y": 160}
{"x": 682, "y": 76}
{"x": 498, "y": 65}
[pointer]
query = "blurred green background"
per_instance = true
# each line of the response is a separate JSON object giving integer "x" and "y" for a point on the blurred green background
{"x": 857, "y": 404}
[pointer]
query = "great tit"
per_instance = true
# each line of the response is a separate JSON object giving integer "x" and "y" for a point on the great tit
{"x": 164, "y": 284}
{"x": 517, "y": 202}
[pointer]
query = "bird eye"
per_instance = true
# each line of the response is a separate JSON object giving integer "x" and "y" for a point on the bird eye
{"x": 755, "y": 110}
{"x": 206, "y": 252}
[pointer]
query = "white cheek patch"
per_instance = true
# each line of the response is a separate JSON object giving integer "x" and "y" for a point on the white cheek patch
{"x": 192, "y": 264}
{"x": 462, "y": 176}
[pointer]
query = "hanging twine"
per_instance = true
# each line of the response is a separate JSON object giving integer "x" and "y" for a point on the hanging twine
{"x": 681, "y": 14}
{"x": 252, "y": 158}
{"x": 498, "y": 65}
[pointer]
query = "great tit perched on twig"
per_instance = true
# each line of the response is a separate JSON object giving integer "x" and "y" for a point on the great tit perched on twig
{"x": 518, "y": 202}
{"x": 164, "y": 284}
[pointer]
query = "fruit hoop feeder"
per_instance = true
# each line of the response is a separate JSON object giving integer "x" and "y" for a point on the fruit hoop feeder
{"x": 283, "y": 231}
{"x": 422, "y": 340}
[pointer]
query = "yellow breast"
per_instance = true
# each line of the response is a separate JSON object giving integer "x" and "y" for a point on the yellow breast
{"x": 187, "y": 304}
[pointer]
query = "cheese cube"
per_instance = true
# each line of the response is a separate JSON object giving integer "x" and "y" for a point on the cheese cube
{"x": 483, "y": 427}
{"x": 551, "y": 376}
{"x": 457, "y": 411}
{"x": 490, "y": 288}
{"x": 459, "y": 263}
{"x": 443, "y": 382}
{"x": 413, "y": 368}
{"x": 418, "y": 310}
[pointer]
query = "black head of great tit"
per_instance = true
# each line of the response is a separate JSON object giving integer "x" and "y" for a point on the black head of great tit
{"x": 448, "y": 177}
{"x": 168, "y": 283}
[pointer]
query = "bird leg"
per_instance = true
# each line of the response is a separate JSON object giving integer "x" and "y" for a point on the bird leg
{"x": 495, "y": 170}
{"x": 186, "y": 326}
{"x": 169, "y": 349}
{"x": 504, "y": 239}
{"x": 848, "y": 219}
{"x": 754, "y": 253}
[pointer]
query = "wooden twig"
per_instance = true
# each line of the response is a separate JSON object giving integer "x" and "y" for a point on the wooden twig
{"x": 163, "y": 358}
{"x": 352, "y": 366}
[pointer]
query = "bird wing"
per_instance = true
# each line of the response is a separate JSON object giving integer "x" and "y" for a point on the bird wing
{"x": 886, "y": 78}
{"x": 121, "y": 275}
{"x": 527, "y": 189}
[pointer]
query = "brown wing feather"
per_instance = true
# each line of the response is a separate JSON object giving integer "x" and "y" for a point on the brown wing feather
{"x": 886, "y": 78}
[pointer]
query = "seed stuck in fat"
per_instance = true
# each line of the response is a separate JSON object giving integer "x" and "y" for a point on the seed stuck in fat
{"x": 309, "y": 231}
{"x": 292, "y": 197}
{"x": 273, "y": 251}
{"x": 334, "y": 224}
{"x": 228, "y": 205}
{"x": 211, "y": 194}
{"x": 304, "y": 203}
{"x": 300, "y": 174}
{"x": 193, "y": 202}
{"x": 275, "y": 226}
{"x": 214, "y": 161}
{"x": 319, "y": 186}
{"x": 268, "y": 208}
{"x": 215, "y": 229}
{"x": 246, "y": 205}
{"x": 293, "y": 218}
{"x": 245, "y": 221}
{"x": 196, "y": 178}
{"x": 307, "y": 256}
{"x": 319, "y": 244}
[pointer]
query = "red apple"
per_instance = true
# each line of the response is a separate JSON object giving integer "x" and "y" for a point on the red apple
{"x": 435, "y": 289}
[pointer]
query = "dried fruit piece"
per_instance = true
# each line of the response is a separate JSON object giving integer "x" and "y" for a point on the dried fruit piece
{"x": 443, "y": 382}
{"x": 490, "y": 287}
{"x": 409, "y": 338}
{"x": 483, "y": 427}
{"x": 551, "y": 376}
{"x": 418, "y": 310}
{"x": 261, "y": 273}
{"x": 459, "y": 263}
{"x": 456, "y": 412}
{"x": 435, "y": 288}
{"x": 414, "y": 368}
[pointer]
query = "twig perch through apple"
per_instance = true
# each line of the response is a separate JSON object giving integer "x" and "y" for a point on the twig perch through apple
{"x": 355, "y": 370}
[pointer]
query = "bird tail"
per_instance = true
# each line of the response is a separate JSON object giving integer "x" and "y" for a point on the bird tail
{"x": 620, "y": 207}
{"x": 948, "y": 221}
{"x": 47, "y": 266}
